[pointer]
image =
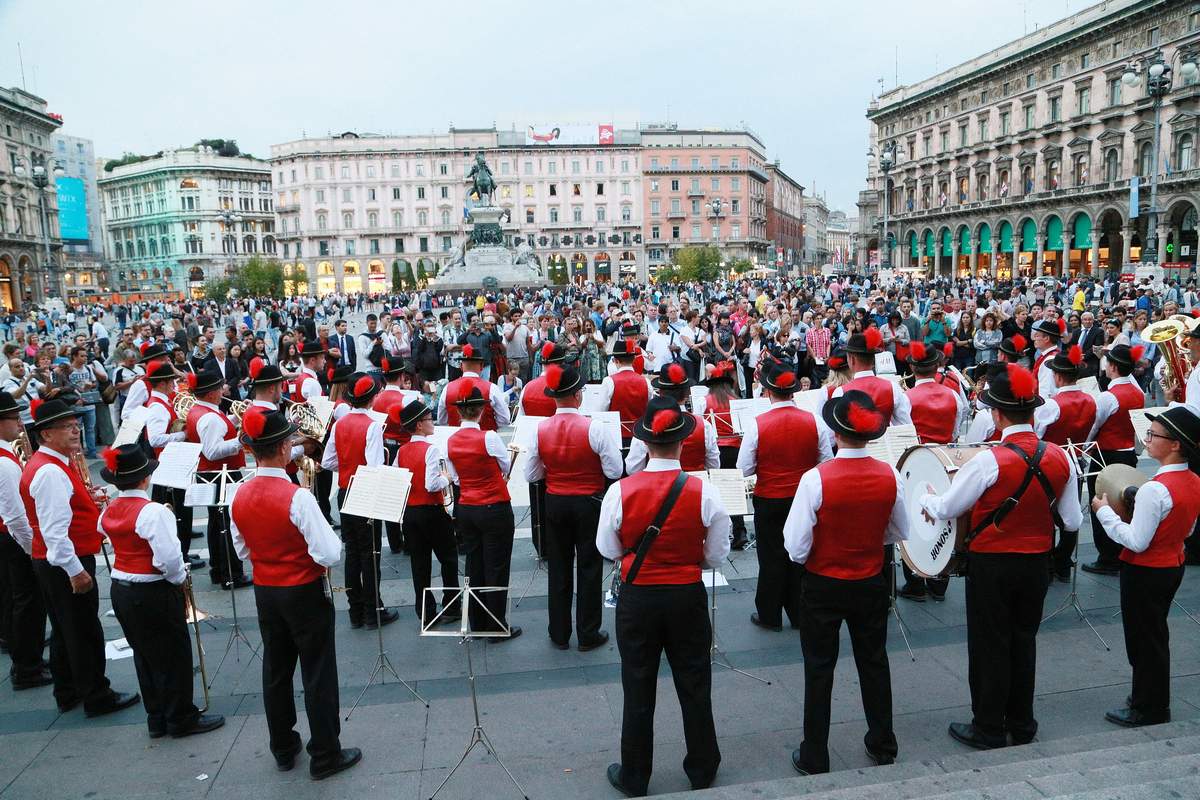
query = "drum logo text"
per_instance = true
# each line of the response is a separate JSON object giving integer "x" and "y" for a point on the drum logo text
{"x": 943, "y": 537}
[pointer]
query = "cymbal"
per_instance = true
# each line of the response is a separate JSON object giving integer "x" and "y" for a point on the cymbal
{"x": 1120, "y": 482}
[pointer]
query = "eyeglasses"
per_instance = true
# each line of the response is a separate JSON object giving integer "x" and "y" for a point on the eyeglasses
{"x": 1151, "y": 434}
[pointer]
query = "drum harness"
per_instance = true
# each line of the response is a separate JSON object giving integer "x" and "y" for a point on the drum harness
{"x": 997, "y": 515}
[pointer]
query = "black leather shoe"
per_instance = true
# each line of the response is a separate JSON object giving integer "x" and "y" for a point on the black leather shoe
{"x": 203, "y": 724}
{"x": 1098, "y": 567}
{"x": 880, "y": 759}
{"x": 356, "y": 622}
{"x": 115, "y": 702}
{"x": 157, "y": 733}
{"x": 513, "y": 632}
{"x": 758, "y": 621}
{"x": 600, "y": 640}
{"x": 285, "y": 762}
{"x": 450, "y": 615}
{"x": 561, "y": 645}
{"x": 1131, "y": 718}
{"x": 739, "y": 542}
{"x": 240, "y": 582}
{"x": 195, "y": 562}
{"x": 911, "y": 593}
{"x": 32, "y": 681}
{"x": 347, "y": 758}
{"x": 797, "y": 763}
{"x": 614, "y": 777}
{"x": 966, "y": 733}
{"x": 68, "y": 706}
{"x": 937, "y": 598}
{"x": 1061, "y": 570}
{"x": 386, "y": 617}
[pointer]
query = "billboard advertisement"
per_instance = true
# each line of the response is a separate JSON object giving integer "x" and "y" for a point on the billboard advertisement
{"x": 72, "y": 210}
{"x": 569, "y": 134}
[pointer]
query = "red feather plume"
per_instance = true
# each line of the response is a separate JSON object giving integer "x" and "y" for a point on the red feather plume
{"x": 948, "y": 350}
{"x": 917, "y": 350}
{"x": 863, "y": 420}
{"x": 836, "y": 362}
{"x": 110, "y": 459}
{"x": 1062, "y": 326}
{"x": 547, "y": 350}
{"x": 1075, "y": 355}
{"x": 786, "y": 380}
{"x": 873, "y": 338}
{"x": 675, "y": 374}
{"x": 363, "y": 385}
{"x": 144, "y": 347}
{"x": 662, "y": 420}
{"x": 468, "y": 351}
{"x": 1019, "y": 343}
{"x": 254, "y": 422}
{"x": 1136, "y": 352}
{"x": 256, "y": 366}
{"x": 329, "y": 374}
{"x": 1023, "y": 384}
{"x": 191, "y": 381}
{"x": 34, "y": 405}
{"x": 385, "y": 365}
{"x": 554, "y": 374}
{"x": 1196, "y": 312}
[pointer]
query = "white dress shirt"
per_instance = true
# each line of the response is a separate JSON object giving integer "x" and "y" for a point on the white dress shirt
{"x": 1191, "y": 390}
{"x": 635, "y": 460}
{"x": 1150, "y": 507}
{"x": 658, "y": 349}
{"x": 599, "y": 440}
{"x": 211, "y": 430}
{"x": 362, "y": 352}
{"x": 747, "y": 459}
{"x": 135, "y": 397}
{"x": 1107, "y": 405}
{"x": 159, "y": 422}
{"x": 375, "y": 454}
{"x": 495, "y": 398}
{"x": 324, "y": 546}
{"x": 156, "y": 524}
{"x": 1049, "y": 412}
{"x": 981, "y": 427}
{"x": 435, "y": 481}
{"x": 798, "y": 528}
{"x": 901, "y": 407}
{"x": 1045, "y": 375}
{"x": 712, "y": 515}
{"x": 495, "y": 449}
{"x": 981, "y": 472}
{"x": 12, "y": 507}
{"x": 51, "y": 490}
{"x": 310, "y": 385}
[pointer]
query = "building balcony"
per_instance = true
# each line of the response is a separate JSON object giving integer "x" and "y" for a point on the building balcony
{"x": 287, "y": 209}
{"x": 695, "y": 193}
{"x": 676, "y": 215}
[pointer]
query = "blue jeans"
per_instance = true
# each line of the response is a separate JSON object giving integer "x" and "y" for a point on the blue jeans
{"x": 89, "y": 430}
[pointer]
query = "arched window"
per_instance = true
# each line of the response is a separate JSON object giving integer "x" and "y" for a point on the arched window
{"x": 422, "y": 218}
{"x": 1002, "y": 187}
{"x": 943, "y": 194}
{"x": 1145, "y": 160}
{"x": 348, "y": 219}
{"x": 153, "y": 247}
{"x": 1112, "y": 164}
{"x": 981, "y": 186}
{"x": 1183, "y": 152}
{"x": 141, "y": 249}
{"x": 322, "y": 222}
{"x": 1052, "y": 172}
{"x": 445, "y": 217}
{"x": 189, "y": 183}
{"x": 1027, "y": 180}
{"x": 373, "y": 220}
{"x": 397, "y": 219}
{"x": 118, "y": 249}
{"x": 1079, "y": 170}
{"x": 964, "y": 186}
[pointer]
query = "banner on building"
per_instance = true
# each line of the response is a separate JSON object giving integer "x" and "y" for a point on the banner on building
{"x": 72, "y": 209}
{"x": 1133, "y": 197}
{"x": 570, "y": 134}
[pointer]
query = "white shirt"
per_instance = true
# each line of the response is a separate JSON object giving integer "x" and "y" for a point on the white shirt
{"x": 981, "y": 472}
{"x": 658, "y": 349}
{"x": 1045, "y": 375}
{"x": 51, "y": 491}
{"x": 12, "y": 507}
{"x": 901, "y": 407}
{"x": 375, "y": 454}
{"x": 495, "y": 398}
{"x": 310, "y": 386}
{"x": 135, "y": 397}
{"x": 1191, "y": 390}
{"x": 156, "y": 524}
{"x": 324, "y": 547}
{"x": 495, "y": 449}
{"x": 608, "y": 386}
{"x": 602, "y": 444}
{"x": 1049, "y": 412}
{"x": 981, "y": 427}
{"x": 747, "y": 459}
{"x": 798, "y": 528}
{"x": 159, "y": 422}
{"x": 211, "y": 430}
{"x": 435, "y": 481}
{"x": 99, "y": 331}
{"x": 635, "y": 460}
{"x": 1107, "y": 405}
{"x": 1150, "y": 507}
{"x": 712, "y": 515}
{"x": 960, "y": 405}
{"x": 362, "y": 352}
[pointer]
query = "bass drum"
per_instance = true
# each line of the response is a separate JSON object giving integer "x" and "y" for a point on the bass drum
{"x": 933, "y": 550}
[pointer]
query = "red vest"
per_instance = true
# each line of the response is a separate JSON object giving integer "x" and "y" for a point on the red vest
{"x": 1037, "y": 363}
{"x": 412, "y": 458}
{"x": 787, "y": 448}
{"x": 691, "y": 458}
{"x": 629, "y": 398}
{"x": 82, "y": 530}
{"x": 11, "y": 457}
{"x": 1166, "y": 548}
{"x": 459, "y": 386}
{"x": 678, "y": 551}
{"x": 131, "y": 553}
{"x": 949, "y": 380}
{"x": 1076, "y": 415}
{"x": 879, "y": 390}
{"x": 572, "y": 467}
{"x": 1117, "y": 431}
{"x": 384, "y": 402}
{"x": 480, "y": 481}
{"x": 717, "y": 410}
{"x": 262, "y": 512}
{"x": 534, "y": 402}
{"x": 171, "y": 417}
{"x": 857, "y": 495}
{"x": 350, "y": 442}
{"x": 191, "y": 427}
{"x": 1028, "y": 528}
{"x": 934, "y": 411}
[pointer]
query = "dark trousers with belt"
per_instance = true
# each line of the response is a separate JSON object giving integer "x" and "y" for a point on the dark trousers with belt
{"x": 863, "y": 606}
{"x": 1107, "y": 551}
{"x": 76, "y": 638}
{"x": 1146, "y": 595}
{"x": 22, "y": 612}
{"x": 362, "y": 539}
{"x": 296, "y": 624}
{"x": 154, "y": 621}
{"x": 571, "y": 522}
{"x": 487, "y": 540}
{"x": 394, "y": 530}
{"x": 1005, "y": 594}
{"x": 537, "y": 516}
{"x": 651, "y": 620}
{"x": 429, "y": 534}
{"x": 729, "y": 461}
{"x": 779, "y": 577}
{"x": 182, "y": 512}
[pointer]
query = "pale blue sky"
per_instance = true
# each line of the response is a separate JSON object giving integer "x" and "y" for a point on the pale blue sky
{"x": 141, "y": 76}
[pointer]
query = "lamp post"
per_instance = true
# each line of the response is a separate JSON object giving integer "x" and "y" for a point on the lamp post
{"x": 34, "y": 168}
{"x": 1158, "y": 85}
{"x": 229, "y": 219}
{"x": 887, "y": 160}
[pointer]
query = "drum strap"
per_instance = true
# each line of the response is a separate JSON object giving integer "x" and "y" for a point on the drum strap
{"x": 1033, "y": 471}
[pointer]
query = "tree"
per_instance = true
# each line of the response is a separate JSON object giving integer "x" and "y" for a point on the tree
{"x": 397, "y": 279}
{"x": 742, "y": 265}
{"x": 409, "y": 278}
{"x": 422, "y": 276}
{"x": 666, "y": 274}
{"x": 224, "y": 147}
{"x": 217, "y": 289}
{"x": 259, "y": 278}
{"x": 697, "y": 263}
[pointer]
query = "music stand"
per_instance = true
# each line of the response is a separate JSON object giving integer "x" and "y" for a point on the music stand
{"x": 465, "y": 597}
{"x": 893, "y": 606}
{"x": 222, "y": 482}
{"x": 716, "y": 657}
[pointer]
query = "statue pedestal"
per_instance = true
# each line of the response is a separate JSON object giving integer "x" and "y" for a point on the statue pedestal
{"x": 487, "y": 262}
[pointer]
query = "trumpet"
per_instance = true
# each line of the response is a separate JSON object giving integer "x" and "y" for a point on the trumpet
{"x": 329, "y": 587}
{"x": 98, "y": 493}
{"x": 1176, "y": 364}
{"x": 194, "y": 616}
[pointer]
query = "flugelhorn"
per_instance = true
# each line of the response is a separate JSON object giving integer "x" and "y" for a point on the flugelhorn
{"x": 1165, "y": 333}
{"x": 22, "y": 448}
{"x": 448, "y": 492}
{"x": 194, "y": 616}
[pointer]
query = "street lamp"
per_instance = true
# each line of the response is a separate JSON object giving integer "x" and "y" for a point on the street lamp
{"x": 229, "y": 219}
{"x": 34, "y": 168}
{"x": 887, "y": 160}
{"x": 1158, "y": 85}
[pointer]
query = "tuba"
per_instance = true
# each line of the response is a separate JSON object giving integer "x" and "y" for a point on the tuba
{"x": 1176, "y": 366}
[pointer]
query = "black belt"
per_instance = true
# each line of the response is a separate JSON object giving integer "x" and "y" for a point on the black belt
{"x": 131, "y": 584}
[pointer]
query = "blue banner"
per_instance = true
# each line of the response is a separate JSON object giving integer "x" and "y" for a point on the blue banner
{"x": 72, "y": 209}
{"x": 1133, "y": 197}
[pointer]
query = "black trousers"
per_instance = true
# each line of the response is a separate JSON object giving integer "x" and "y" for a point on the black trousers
{"x": 1005, "y": 594}
{"x": 863, "y": 606}
{"x": 394, "y": 530}
{"x": 1146, "y": 595}
{"x": 935, "y": 586}
{"x": 296, "y": 624}
{"x": 362, "y": 539}
{"x": 487, "y": 540}
{"x": 1107, "y": 551}
{"x": 729, "y": 461}
{"x": 154, "y": 621}
{"x": 651, "y": 620}
{"x": 223, "y": 563}
{"x": 779, "y": 577}
{"x": 323, "y": 488}
{"x": 182, "y": 512}
{"x": 76, "y": 638}
{"x": 571, "y": 522}
{"x": 537, "y": 516}
{"x": 430, "y": 534}
{"x": 22, "y": 612}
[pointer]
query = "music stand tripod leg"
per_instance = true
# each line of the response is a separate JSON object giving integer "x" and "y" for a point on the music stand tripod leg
{"x": 716, "y": 657}
{"x": 540, "y": 567}
{"x": 1072, "y": 598}
{"x": 893, "y": 607}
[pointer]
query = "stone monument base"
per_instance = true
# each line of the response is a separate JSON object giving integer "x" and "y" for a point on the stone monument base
{"x": 490, "y": 264}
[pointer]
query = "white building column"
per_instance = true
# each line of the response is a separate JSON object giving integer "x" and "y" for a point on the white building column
{"x": 1040, "y": 244}
{"x": 1094, "y": 240}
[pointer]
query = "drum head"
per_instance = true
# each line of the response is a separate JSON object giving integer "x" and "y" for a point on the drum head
{"x": 930, "y": 545}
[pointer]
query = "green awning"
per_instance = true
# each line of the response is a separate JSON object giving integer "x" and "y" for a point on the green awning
{"x": 913, "y": 246}
{"x": 964, "y": 240}
{"x": 929, "y": 243}
{"x": 1054, "y": 233}
{"x": 1083, "y": 232}
{"x": 985, "y": 238}
{"x": 946, "y": 249}
{"x": 1006, "y": 232}
{"x": 1028, "y": 237}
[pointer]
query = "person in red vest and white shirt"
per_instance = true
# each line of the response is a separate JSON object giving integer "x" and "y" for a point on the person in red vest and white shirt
{"x": 307, "y": 383}
{"x": 722, "y": 388}
{"x": 577, "y": 458}
{"x": 982, "y": 429}
{"x": 63, "y": 515}
{"x": 430, "y": 530}
{"x": 394, "y": 371}
{"x": 280, "y": 529}
{"x": 887, "y": 395}
{"x": 163, "y": 426}
{"x": 700, "y": 450}
{"x": 479, "y": 463}
{"x": 625, "y": 391}
{"x": 1165, "y": 510}
{"x": 663, "y": 605}
{"x": 139, "y": 391}
{"x": 535, "y": 403}
{"x": 844, "y": 514}
{"x": 148, "y": 572}
{"x": 356, "y": 440}
{"x": 1046, "y": 334}
{"x": 208, "y": 426}
{"x": 779, "y": 446}
{"x": 494, "y": 413}
{"x": 1114, "y": 437}
{"x": 1006, "y": 556}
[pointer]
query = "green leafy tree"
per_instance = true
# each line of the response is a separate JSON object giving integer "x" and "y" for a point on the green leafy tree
{"x": 397, "y": 278}
{"x": 742, "y": 265}
{"x": 409, "y": 278}
{"x": 422, "y": 276}
{"x": 666, "y": 274}
{"x": 259, "y": 278}
{"x": 697, "y": 263}
{"x": 217, "y": 289}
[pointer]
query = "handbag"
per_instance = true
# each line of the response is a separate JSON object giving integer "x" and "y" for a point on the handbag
{"x": 647, "y": 539}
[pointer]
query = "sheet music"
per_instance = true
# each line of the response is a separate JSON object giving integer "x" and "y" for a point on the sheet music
{"x": 200, "y": 495}
{"x": 323, "y": 407}
{"x": 699, "y": 396}
{"x": 741, "y": 408}
{"x": 811, "y": 400}
{"x": 131, "y": 428}
{"x": 378, "y": 492}
{"x": 176, "y": 465}
{"x": 378, "y": 416}
{"x": 525, "y": 430}
{"x": 593, "y": 397}
{"x": 1141, "y": 423}
{"x": 611, "y": 421}
{"x": 441, "y": 436}
{"x": 731, "y": 486}
{"x": 893, "y": 443}
{"x": 885, "y": 364}
{"x": 1089, "y": 385}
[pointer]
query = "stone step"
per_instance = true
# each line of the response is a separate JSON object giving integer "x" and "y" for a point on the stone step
{"x": 1174, "y": 789}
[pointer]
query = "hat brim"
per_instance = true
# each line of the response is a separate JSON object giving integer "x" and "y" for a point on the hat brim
{"x": 657, "y": 383}
{"x": 129, "y": 477}
{"x": 408, "y": 423}
{"x": 202, "y": 387}
{"x": 142, "y": 359}
{"x": 1180, "y": 436}
{"x": 1054, "y": 334}
{"x": 640, "y": 431}
{"x": 72, "y": 411}
{"x": 1004, "y": 404}
{"x": 828, "y": 413}
{"x": 783, "y": 390}
{"x": 565, "y": 390}
{"x": 269, "y": 440}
